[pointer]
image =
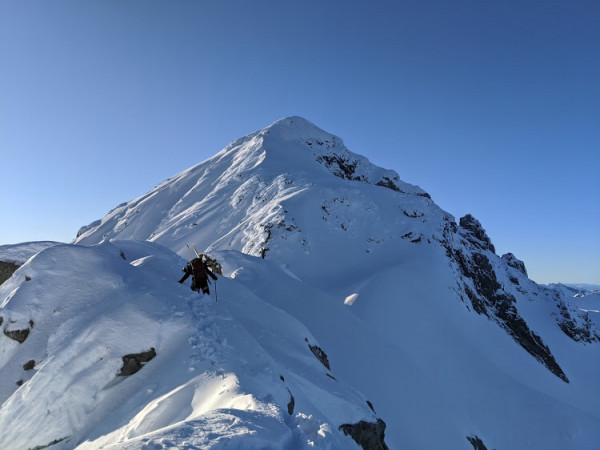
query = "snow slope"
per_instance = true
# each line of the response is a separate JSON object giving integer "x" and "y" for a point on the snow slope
{"x": 14, "y": 255}
{"x": 223, "y": 374}
{"x": 452, "y": 345}
{"x": 19, "y": 253}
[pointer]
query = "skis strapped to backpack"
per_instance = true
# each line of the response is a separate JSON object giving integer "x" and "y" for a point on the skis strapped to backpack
{"x": 198, "y": 255}
{"x": 196, "y": 251}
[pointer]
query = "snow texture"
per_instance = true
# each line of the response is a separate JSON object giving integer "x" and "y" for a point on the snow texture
{"x": 347, "y": 296}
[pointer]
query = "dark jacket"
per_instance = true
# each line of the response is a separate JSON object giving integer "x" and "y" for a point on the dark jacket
{"x": 200, "y": 273}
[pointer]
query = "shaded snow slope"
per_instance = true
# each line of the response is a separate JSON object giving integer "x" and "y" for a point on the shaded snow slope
{"x": 435, "y": 371}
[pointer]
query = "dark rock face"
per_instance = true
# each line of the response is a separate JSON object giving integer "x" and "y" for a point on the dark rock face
{"x": 17, "y": 335}
{"x": 476, "y": 234}
{"x": 389, "y": 183}
{"x": 319, "y": 354}
{"x": 344, "y": 166}
{"x": 54, "y": 442}
{"x": 6, "y": 270}
{"x": 369, "y": 435}
{"x": 476, "y": 442}
{"x": 515, "y": 263}
{"x": 340, "y": 166}
{"x": 29, "y": 365}
{"x": 290, "y": 405}
{"x": 487, "y": 296}
{"x": 580, "y": 328}
{"x": 489, "y": 299}
{"x": 133, "y": 362}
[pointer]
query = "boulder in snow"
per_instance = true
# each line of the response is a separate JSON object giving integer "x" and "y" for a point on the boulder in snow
{"x": 319, "y": 354}
{"x": 369, "y": 435}
{"x": 6, "y": 270}
{"x": 133, "y": 362}
{"x": 18, "y": 331}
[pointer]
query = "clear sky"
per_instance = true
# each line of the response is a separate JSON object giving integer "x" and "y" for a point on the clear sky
{"x": 492, "y": 107}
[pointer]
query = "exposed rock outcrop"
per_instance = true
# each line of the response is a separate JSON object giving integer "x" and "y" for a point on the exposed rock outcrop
{"x": 6, "y": 270}
{"x": 515, "y": 263}
{"x": 18, "y": 334}
{"x": 476, "y": 442}
{"x": 388, "y": 183}
{"x": 476, "y": 235}
{"x": 576, "y": 324}
{"x": 487, "y": 296}
{"x": 319, "y": 354}
{"x": 133, "y": 362}
{"x": 369, "y": 435}
{"x": 54, "y": 442}
{"x": 341, "y": 166}
{"x": 292, "y": 402}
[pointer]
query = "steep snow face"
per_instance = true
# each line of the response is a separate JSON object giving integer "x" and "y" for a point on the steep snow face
{"x": 234, "y": 374}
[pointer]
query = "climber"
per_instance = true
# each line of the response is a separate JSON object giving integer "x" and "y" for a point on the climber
{"x": 200, "y": 272}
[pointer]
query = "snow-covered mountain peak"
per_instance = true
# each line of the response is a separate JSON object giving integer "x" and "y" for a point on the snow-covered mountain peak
{"x": 267, "y": 188}
{"x": 298, "y": 134}
{"x": 296, "y": 128}
{"x": 336, "y": 275}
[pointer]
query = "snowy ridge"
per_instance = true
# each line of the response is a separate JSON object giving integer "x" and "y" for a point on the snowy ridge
{"x": 216, "y": 369}
{"x": 341, "y": 283}
{"x": 20, "y": 253}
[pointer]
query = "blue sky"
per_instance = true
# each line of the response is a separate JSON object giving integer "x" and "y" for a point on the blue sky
{"x": 491, "y": 107}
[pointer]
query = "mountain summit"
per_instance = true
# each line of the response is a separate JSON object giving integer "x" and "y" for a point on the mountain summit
{"x": 352, "y": 312}
{"x": 288, "y": 186}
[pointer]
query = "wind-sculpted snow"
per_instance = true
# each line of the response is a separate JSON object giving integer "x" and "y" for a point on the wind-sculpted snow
{"x": 13, "y": 256}
{"x": 339, "y": 280}
{"x": 215, "y": 377}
